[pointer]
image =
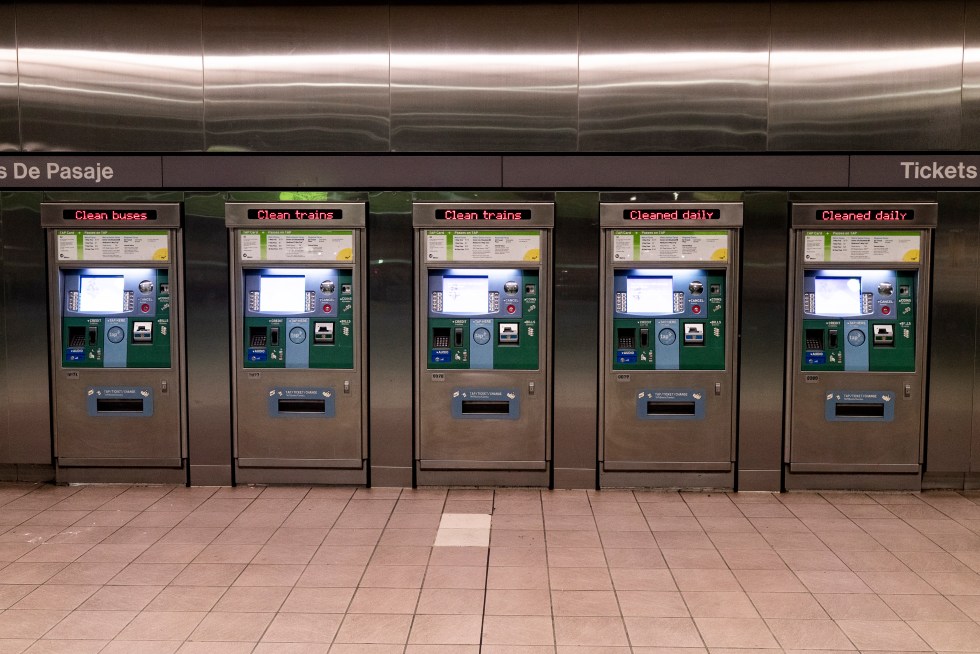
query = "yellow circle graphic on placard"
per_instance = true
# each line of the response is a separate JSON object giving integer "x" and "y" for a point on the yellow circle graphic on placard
{"x": 161, "y": 255}
{"x": 911, "y": 255}
{"x": 345, "y": 254}
{"x": 532, "y": 255}
{"x": 721, "y": 254}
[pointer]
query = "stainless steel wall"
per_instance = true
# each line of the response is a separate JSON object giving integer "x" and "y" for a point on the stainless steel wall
{"x": 561, "y": 77}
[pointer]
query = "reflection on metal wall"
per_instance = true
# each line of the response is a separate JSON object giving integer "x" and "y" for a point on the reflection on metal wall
{"x": 650, "y": 77}
{"x": 281, "y": 79}
{"x": 484, "y": 78}
{"x": 110, "y": 77}
{"x": 9, "y": 137}
{"x": 865, "y": 75}
{"x": 680, "y": 76}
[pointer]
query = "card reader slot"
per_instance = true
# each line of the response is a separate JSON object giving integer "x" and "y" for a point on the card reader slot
{"x": 859, "y": 410}
{"x": 670, "y": 408}
{"x": 119, "y": 405}
{"x": 257, "y": 336}
{"x": 485, "y": 407}
{"x": 302, "y": 406}
{"x": 76, "y": 336}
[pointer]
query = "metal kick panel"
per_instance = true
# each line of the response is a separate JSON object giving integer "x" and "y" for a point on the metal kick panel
{"x": 296, "y": 78}
{"x": 856, "y": 76}
{"x": 673, "y": 77}
{"x": 119, "y": 77}
{"x": 484, "y": 78}
{"x": 9, "y": 113}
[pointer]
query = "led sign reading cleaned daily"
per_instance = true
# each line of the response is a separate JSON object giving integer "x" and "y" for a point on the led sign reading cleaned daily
{"x": 108, "y": 214}
{"x": 483, "y": 214}
{"x": 295, "y": 214}
{"x": 671, "y": 214}
{"x": 881, "y": 215}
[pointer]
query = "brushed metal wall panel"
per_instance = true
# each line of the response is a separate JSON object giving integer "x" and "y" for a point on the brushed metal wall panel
{"x": 673, "y": 77}
{"x": 9, "y": 117}
{"x": 955, "y": 264}
{"x": 110, "y": 77}
{"x": 484, "y": 78}
{"x": 27, "y": 428}
{"x": 971, "y": 78}
{"x": 296, "y": 78}
{"x": 865, "y": 75}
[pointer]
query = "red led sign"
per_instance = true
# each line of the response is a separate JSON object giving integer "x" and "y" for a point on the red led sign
{"x": 851, "y": 216}
{"x": 483, "y": 214}
{"x": 280, "y": 213}
{"x": 108, "y": 214}
{"x": 671, "y": 214}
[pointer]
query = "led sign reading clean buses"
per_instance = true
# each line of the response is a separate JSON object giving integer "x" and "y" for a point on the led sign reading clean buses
{"x": 671, "y": 214}
{"x": 483, "y": 214}
{"x": 281, "y": 213}
{"x": 108, "y": 214}
{"x": 882, "y": 215}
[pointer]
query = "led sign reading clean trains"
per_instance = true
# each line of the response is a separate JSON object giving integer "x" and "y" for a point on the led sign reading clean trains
{"x": 108, "y": 214}
{"x": 295, "y": 214}
{"x": 843, "y": 215}
{"x": 483, "y": 214}
{"x": 671, "y": 214}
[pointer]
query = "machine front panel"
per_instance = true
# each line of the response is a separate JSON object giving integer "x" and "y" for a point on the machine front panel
{"x": 115, "y": 318}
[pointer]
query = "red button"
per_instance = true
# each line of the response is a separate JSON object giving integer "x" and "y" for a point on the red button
{"x": 511, "y": 308}
{"x": 886, "y": 310}
{"x": 145, "y": 308}
{"x": 696, "y": 309}
{"x": 327, "y": 308}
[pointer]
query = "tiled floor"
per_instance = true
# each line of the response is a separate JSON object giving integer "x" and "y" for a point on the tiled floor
{"x": 151, "y": 569}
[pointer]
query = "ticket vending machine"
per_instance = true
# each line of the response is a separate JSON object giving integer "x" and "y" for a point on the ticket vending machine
{"x": 114, "y": 283}
{"x": 857, "y": 339}
{"x": 483, "y": 371}
{"x": 299, "y": 342}
{"x": 668, "y": 343}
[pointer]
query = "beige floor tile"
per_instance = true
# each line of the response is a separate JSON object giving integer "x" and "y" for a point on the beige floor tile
{"x": 331, "y": 576}
{"x": 121, "y": 598}
{"x": 520, "y": 630}
{"x": 640, "y": 579}
{"x": 56, "y": 597}
{"x": 582, "y": 578}
{"x": 832, "y": 582}
{"x": 518, "y": 538}
{"x": 517, "y": 577}
{"x": 143, "y": 574}
{"x": 400, "y": 555}
{"x": 343, "y": 555}
{"x": 517, "y": 602}
{"x": 459, "y": 556}
{"x": 228, "y": 553}
{"x": 882, "y": 635}
{"x": 793, "y": 606}
{"x": 91, "y": 625}
{"x": 809, "y": 634}
{"x": 320, "y": 648}
{"x": 50, "y": 552}
{"x": 170, "y": 553}
{"x": 662, "y": 632}
{"x": 641, "y": 557}
{"x": 949, "y": 636}
{"x": 413, "y": 537}
{"x": 282, "y": 553}
{"x": 679, "y": 540}
{"x": 769, "y": 581}
{"x": 445, "y": 630}
{"x": 33, "y": 573}
{"x": 652, "y": 604}
{"x": 713, "y": 604}
{"x": 317, "y": 600}
{"x": 256, "y": 574}
{"x": 385, "y": 600}
{"x": 30, "y": 624}
{"x": 874, "y": 561}
{"x": 241, "y": 627}
{"x": 689, "y": 559}
{"x": 229, "y": 647}
{"x": 208, "y": 574}
{"x": 186, "y": 598}
{"x": 818, "y": 560}
{"x": 855, "y": 606}
{"x": 66, "y": 647}
{"x": 585, "y": 603}
{"x": 924, "y": 607}
{"x": 161, "y": 625}
{"x": 455, "y": 577}
{"x": 749, "y": 559}
{"x": 246, "y": 599}
{"x": 590, "y": 631}
{"x": 705, "y": 580}
{"x": 393, "y": 576}
{"x": 516, "y": 556}
{"x": 947, "y": 583}
{"x": 447, "y": 601}
{"x": 896, "y": 583}
{"x": 576, "y": 557}
{"x": 304, "y": 628}
{"x": 143, "y": 647}
{"x": 627, "y": 540}
{"x": 117, "y": 553}
{"x": 735, "y": 632}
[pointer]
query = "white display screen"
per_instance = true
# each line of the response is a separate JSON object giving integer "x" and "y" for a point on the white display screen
{"x": 282, "y": 294}
{"x": 837, "y": 296}
{"x": 465, "y": 295}
{"x": 102, "y": 294}
{"x": 650, "y": 295}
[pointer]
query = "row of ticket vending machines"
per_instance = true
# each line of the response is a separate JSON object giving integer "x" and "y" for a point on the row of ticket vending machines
{"x": 483, "y": 375}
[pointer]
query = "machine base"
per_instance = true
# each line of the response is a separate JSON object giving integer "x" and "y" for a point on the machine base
{"x": 533, "y": 478}
{"x": 667, "y": 479}
{"x": 328, "y": 476}
{"x": 855, "y": 481}
{"x": 119, "y": 475}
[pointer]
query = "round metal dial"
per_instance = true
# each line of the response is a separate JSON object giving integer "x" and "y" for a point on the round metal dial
{"x": 696, "y": 288}
{"x": 297, "y": 335}
{"x": 885, "y": 288}
{"x": 511, "y": 287}
{"x": 146, "y": 286}
{"x": 328, "y": 286}
{"x": 481, "y": 336}
{"x": 667, "y": 336}
{"x": 115, "y": 334}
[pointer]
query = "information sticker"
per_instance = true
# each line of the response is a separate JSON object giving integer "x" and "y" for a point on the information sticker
{"x": 297, "y": 245}
{"x": 491, "y": 246}
{"x": 670, "y": 245}
{"x": 862, "y": 247}
{"x": 113, "y": 245}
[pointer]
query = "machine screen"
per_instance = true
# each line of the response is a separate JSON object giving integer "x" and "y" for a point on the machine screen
{"x": 102, "y": 294}
{"x": 649, "y": 295}
{"x": 465, "y": 295}
{"x": 282, "y": 294}
{"x": 837, "y": 296}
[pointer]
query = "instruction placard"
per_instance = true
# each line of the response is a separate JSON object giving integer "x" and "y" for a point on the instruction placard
{"x": 670, "y": 245}
{"x": 862, "y": 246}
{"x": 297, "y": 245}
{"x": 471, "y": 245}
{"x": 113, "y": 245}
